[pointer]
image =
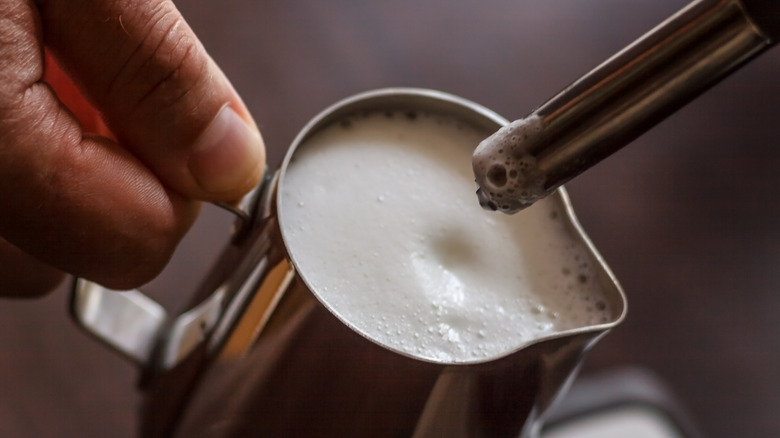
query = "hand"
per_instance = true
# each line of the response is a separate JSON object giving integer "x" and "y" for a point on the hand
{"x": 110, "y": 207}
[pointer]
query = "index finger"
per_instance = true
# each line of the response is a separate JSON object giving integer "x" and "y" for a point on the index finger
{"x": 164, "y": 98}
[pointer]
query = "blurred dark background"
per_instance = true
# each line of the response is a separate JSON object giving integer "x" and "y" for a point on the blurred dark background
{"x": 687, "y": 216}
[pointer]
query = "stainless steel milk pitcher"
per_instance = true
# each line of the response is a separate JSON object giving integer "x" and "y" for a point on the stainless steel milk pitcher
{"x": 259, "y": 354}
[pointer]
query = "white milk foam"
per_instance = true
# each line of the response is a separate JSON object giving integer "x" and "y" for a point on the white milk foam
{"x": 379, "y": 214}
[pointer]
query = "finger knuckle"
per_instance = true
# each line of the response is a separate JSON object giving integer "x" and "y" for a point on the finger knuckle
{"x": 162, "y": 70}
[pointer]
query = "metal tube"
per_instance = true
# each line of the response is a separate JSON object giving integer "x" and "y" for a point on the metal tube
{"x": 618, "y": 101}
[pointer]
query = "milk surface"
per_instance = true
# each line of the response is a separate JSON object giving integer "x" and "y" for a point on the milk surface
{"x": 379, "y": 215}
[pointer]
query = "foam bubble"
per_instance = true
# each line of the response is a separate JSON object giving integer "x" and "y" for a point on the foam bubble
{"x": 506, "y": 172}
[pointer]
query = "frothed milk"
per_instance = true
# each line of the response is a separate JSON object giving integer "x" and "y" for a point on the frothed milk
{"x": 379, "y": 215}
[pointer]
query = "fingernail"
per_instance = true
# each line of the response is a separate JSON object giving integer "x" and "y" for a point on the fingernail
{"x": 226, "y": 157}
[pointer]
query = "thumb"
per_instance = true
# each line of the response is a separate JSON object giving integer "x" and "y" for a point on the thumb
{"x": 161, "y": 95}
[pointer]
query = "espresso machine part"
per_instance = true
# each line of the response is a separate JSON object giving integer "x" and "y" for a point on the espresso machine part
{"x": 621, "y": 99}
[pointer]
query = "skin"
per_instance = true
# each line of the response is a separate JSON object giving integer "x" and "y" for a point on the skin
{"x": 102, "y": 160}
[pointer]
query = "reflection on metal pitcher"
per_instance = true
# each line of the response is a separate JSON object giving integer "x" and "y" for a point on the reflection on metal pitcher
{"x": 379, "y": 301}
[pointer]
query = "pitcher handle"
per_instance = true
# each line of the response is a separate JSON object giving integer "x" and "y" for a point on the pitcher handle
{"x": 135, "y": 325}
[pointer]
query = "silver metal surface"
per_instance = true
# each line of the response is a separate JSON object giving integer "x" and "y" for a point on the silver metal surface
{"x": 622, "y": 98}
{"x": 260, "y": 355}
{"x": 281, "y": 355}
{"x": 138, "y": 327}
{"x": 128, "y": 321}
{"x": 190, "y": 329}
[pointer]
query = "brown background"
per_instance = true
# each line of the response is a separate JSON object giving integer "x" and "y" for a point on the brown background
{"x": 687, "y": 216}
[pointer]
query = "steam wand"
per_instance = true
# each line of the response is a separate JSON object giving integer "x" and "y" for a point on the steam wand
{"x": 621, "y": 99}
